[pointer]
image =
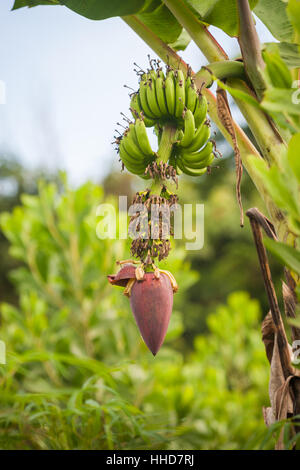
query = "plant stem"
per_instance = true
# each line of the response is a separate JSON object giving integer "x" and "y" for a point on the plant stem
{"x": 197, "y": 30}
{"x": 247, "y": 149}
{"x": 266, "y": 135}
{"x": 162, "y": 49}
{"x": 250, "y": 47}
{"x": 166, "y": 142}
{"x": 226, "y": 69}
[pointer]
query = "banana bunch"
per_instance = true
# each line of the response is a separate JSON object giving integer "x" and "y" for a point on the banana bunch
{"x": 162, "y": 98}
{"x": 135, "y": 149}
{"x": 194, "y": 153}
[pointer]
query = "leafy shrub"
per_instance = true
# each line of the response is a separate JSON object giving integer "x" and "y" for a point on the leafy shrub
{"x": 78, "y": 374}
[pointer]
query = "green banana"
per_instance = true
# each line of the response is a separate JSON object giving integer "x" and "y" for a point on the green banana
{"x": 144, "y": 100}
{"x": 200, "y": 110}
{"x": 190, "y": 171}
{"x": 134, "y": 167}
{"x": 200, "y": 164}
{"x": 160, "y": 96}
{"x": 145, "y": 177}
{"x": 170, "y": 92}
{"x": 189, "y": 129}
{"x": 200, "y": 138}
{"x": 151, "y": 98}
{"x": 179, "y": 93}
{"x": 142, "y": 138}
{"x": 130, "y": 143}
{"x": 172, "y": 161}
{"x": 136, "y": 110}
{"x": 135, "y": 105}
{"x": 190, "y": 94}
{"x": 128, "y": 157}
{"x": 178, "y": 170}
{"x": 197, "y": 157}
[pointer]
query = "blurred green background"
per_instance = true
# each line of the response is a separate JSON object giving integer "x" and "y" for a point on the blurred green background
{"x": 78, "y": 375}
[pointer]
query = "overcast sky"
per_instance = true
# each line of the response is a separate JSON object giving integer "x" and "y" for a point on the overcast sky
{"x": 64, "y": 78}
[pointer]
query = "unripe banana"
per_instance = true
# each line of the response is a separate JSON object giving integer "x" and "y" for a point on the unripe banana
{"x": 144, "y": 101}
{"x": 160, "y": 73}
{"x": 170, "y": 92}
{"x": 200, "y": 110}
{"x": 160, "y": 96}
{"x": 179, "y": 93}
{"x": 172, "y": 161}
{"x": 152, "y": 75}
{"x": 179, "y": 136}
{"x": 134, "y": 167}
{"x": 136, "y": 110}
{"x": 200, "y": 138}
{"x": 127, "y": 157}
{"x": 178, "y": 170}
{"x": 189, "y": 171}
{"x": 197, "y": 157}
{"x": 189, "y": 129}
{"x": 135, "y": 106}
{"x": 199, "y": 164}
{"x": 151, "y": 98}
{"x": 130, "y": 143}
{"x": 145, "y": 177}
{"x": 142, "y": 138}
{"x": 190, "y": 94}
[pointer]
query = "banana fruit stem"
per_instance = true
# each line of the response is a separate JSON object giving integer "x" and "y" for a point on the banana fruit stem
{"x": 164, "y": 152}
{"x": 166, "y": 142}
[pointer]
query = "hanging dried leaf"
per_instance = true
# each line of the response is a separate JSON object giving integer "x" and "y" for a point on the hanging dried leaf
{"x": 281, "y": 393}
{"x": 225, "y": 117}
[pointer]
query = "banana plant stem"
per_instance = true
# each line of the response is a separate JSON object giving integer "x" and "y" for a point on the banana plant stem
{"x": 250, "y": 47}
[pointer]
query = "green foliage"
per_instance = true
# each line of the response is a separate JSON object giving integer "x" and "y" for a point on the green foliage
{"x": 93, "y": 9}
{"x": 282, "y": 183}
{"x": 286, "y": 254}
{"x": 163, "y": 24}
{"x": 220, "y": 13}
{"x": 79, "y": 376}
{"x": 274, "y": 15}
{"x": 33, "y": 3}
{"x": 293, "y": 10}
{"x": 289, "y": 52}
{"x": 228, "y": 248}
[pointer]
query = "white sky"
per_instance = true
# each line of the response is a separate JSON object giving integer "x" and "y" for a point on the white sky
{"x": 64, "y": 78}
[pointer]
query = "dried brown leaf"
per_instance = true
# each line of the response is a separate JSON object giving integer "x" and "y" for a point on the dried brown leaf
{"x": 225, "y": 117}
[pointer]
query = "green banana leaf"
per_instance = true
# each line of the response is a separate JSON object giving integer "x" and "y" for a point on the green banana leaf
{"x": 274, "y": 15}
{"x": 288, "y": 256}
{"x": 289, "y": 52}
